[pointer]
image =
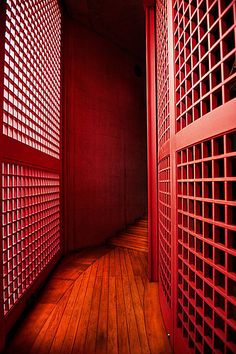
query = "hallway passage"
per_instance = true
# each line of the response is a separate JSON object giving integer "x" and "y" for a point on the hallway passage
{"x": 134, "y": 237}
{"x": 96, "y": 301}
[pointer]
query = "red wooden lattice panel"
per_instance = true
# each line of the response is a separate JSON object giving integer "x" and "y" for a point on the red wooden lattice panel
{"x": 32, "y": 74}
{"x": 30, "y": 107}
{"x": 205, "y": 48}
{"x": 196, "y": 44}
{"x": 162, "y": 72}
{"x": 207, "y": 244}
{"x": 164, "y": 220}
{"x": 163, "y": 124}
{"x": 30, "y": 226}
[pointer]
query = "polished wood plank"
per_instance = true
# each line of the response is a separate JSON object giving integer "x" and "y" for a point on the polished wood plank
{"x": 68, "y": 340}
{"x": 140, "y": 287}
{"x": 65, "y": 319}
{"x": 30, "y": 328}
{"x": 81, "y": 333}
{"x": 102, "y": 329}
{"x": 135, "y": 346}
{"x": 128, "y": 244}
{"x": 128, "y": 278}
{"x": 90, "y": 342}
{"x": 123, "y": 268}
{"x": 44, "y": 340}
{"x": 144, "y": 261}
{"x": 112, "y": 340}
{"x": 54, "y": 290}
{"x": 100, "y": 269}
{"x": 155, "y": 330}
{"x": 137, "y": 305}
{"x": 137, "y": 268}
{"x": 122, "y": 329}
{"x": 117, "y": 262}
{"x": 141, "y": 230}
{"x": 112, "y": 264}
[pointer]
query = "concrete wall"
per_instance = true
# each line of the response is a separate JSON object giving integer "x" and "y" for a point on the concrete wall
{"x": 105, "y": 138}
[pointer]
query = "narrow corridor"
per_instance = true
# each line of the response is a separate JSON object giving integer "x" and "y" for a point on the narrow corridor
{"x": 109, "y": 111}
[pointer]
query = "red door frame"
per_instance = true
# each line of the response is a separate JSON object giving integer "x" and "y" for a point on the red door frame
{"x": 151, "y": 140}
{"x": 173, "y": 200}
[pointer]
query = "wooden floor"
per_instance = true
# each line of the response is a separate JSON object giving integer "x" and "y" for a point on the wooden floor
{"x": 134, "y": 237}
{"x": 97, "y": 301}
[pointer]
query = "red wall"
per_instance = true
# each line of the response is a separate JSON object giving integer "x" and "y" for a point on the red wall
{"x": 105, "y": 138}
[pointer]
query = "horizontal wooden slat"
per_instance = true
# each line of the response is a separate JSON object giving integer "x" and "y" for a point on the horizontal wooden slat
{"x": 15, "y": 151}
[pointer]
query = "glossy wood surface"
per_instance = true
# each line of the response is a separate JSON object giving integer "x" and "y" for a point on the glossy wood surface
{"x": 96, "y": 301}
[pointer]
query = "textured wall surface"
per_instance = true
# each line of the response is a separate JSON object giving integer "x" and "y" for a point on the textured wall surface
{"x": 105, "y": 138}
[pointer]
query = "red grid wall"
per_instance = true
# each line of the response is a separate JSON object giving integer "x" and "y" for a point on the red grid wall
{"x": 162, "y": 72}
{"x": 164, "y": 222}
{"x": 30, "y": 226}
{"x": 205, "y": 48}
{"x": 207, "y": 244}
{"x": 32, "y": 74}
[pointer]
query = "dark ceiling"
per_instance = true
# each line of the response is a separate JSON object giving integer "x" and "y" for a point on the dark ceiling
{"x": 122, "y": 21}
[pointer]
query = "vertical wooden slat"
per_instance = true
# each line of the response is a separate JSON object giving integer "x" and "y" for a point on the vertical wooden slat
{"x": 2, "y": 52}
{"x": 173, "y": 198}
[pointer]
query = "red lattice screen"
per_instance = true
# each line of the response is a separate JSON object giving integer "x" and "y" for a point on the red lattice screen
{"x": 32, "y": 74}
{"x": 196, "y": 90}
{"x": 207, "y": 244}
{"x": 204, "y": 38}
{"x": 162, "y": 73}
{"x": 31, "y": 227}
{"x": 30, "y": 111}
{"x": 164, "y": 204}
{"x": 164, "y": 183}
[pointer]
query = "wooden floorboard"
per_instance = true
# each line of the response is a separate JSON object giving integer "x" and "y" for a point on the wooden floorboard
{"x": 30, "y": 328}
{"x": 44, "y": 340}
{"x": 135, "y": 346}
{"x": 66, "y": 317}
{"x": 80, "y": 338}
{"x": 105, "y": 306}
{"x": 68, "y": 341}
{"x": 158, "y": 343}
{"x": 122, "y": 329}
{"x": 102, "y": 326}
{"x": 134, "y": 237}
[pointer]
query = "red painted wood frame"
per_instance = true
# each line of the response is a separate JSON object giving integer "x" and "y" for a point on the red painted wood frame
{"x": 151, "y": 139}
{"x": 30, "y": 151}
{"x": 196, "y": 89}
{"x": 2, "y": 40}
